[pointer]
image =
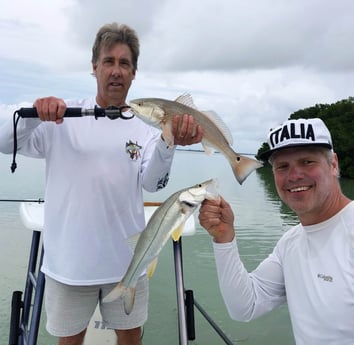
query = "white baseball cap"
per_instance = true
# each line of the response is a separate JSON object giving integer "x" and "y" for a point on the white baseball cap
{"x": 300, "y": 132}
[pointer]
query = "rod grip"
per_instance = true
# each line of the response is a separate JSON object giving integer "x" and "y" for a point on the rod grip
{"x": 32, "y": 112}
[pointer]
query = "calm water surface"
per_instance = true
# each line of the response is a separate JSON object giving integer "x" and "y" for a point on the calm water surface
{"x": 261, "y": 219}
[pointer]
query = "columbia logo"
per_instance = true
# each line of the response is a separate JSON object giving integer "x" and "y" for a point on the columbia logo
{"x": 325, "y": 278}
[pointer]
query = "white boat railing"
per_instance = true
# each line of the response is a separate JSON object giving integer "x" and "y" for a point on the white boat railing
{"x": 26, "y": 311}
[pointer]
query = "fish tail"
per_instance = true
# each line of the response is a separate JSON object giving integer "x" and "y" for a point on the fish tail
{"x": 129, "y": 298}
{"x": 127, "y": 293}
{"x": 242, "y": 166}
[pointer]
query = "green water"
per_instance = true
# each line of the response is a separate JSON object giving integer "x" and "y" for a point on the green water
{"x": 260, "y": 221}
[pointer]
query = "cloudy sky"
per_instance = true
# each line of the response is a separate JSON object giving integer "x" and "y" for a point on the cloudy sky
{"x": 254, "y": 62}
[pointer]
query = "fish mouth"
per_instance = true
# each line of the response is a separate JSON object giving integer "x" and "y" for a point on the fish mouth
{"x": 133, "y": 107}
{"x": 299, "y": 189}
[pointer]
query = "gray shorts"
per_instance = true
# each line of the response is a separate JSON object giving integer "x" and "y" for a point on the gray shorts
{"x": 70, "y": 308}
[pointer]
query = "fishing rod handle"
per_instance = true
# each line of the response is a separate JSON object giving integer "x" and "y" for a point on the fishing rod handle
{"x": 111, "y": 112}
{"x": 32, "y": 112}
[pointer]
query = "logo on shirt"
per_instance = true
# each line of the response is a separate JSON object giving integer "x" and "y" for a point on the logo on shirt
{"x": 133, "y": 149}
{"x": 162, "y": 182}
{"x": 325, "y": 278}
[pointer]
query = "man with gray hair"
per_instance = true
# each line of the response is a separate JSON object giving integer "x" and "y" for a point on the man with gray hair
{"x": 96, "y": 171}
{"x": 311, "y": 267}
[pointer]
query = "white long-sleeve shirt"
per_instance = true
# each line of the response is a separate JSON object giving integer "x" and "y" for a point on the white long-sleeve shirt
{"x": 311, "y": 268}
{"x": 95, "y": 173}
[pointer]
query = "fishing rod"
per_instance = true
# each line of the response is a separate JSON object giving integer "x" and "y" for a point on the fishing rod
{"x": 39, "y": 200}
{"x": 111, "y": 112}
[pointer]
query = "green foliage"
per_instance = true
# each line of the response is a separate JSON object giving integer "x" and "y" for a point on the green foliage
{"x": 339, "y": 118}
{"x": 265, "y": 147}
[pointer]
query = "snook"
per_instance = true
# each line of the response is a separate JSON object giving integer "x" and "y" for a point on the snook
{"x": 159, "y": 112}
{"x": 168, "y": 220}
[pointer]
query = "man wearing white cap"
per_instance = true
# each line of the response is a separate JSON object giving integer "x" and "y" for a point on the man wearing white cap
{"x": 312, "y": 266}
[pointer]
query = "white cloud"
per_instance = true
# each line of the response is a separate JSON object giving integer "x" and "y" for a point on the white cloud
{"x": 253, "y": 62}
{"x": 36, "y": 31}
{"x": 253, "y": 34}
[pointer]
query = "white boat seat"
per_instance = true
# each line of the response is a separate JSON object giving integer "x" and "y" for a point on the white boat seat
{"x": 32, "y": 217}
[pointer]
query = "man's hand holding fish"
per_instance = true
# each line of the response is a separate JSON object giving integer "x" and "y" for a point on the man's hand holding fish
{"x": 185, "y": 131}
{"x": 217, "y": 218}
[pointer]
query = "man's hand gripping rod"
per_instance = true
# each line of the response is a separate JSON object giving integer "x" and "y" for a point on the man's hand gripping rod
{"x": 110, "y": 112}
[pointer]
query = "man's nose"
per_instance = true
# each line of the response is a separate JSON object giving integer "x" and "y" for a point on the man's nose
{"x": 295, "y": 172}
{"x": 116, "y": 70}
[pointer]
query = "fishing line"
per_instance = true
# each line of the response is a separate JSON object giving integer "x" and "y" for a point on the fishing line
{"x": 15, "y": 122}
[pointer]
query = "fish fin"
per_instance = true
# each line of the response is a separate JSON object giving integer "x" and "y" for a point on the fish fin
{"x": 127, "y": 293}
{"x": 167, "y": 134}
{"x": 220, "y": 124}
{"x": 177, "y": 233}
{"x": 209, "y": 150}
{"x": 187, "y": 100}
{"x": 152, "y": 267}
{"x": 242, "y": 166}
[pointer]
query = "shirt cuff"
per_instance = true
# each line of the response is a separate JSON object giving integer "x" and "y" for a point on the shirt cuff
{"x": 225, "y": 246}
{"x": 163, "y": 147}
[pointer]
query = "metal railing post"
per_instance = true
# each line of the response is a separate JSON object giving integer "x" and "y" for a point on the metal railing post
{"x": 182, "y": 325}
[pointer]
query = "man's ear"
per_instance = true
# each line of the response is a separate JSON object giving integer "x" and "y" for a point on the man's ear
{"x": 335, "y": 164}
{"x": 94, "y": 68}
